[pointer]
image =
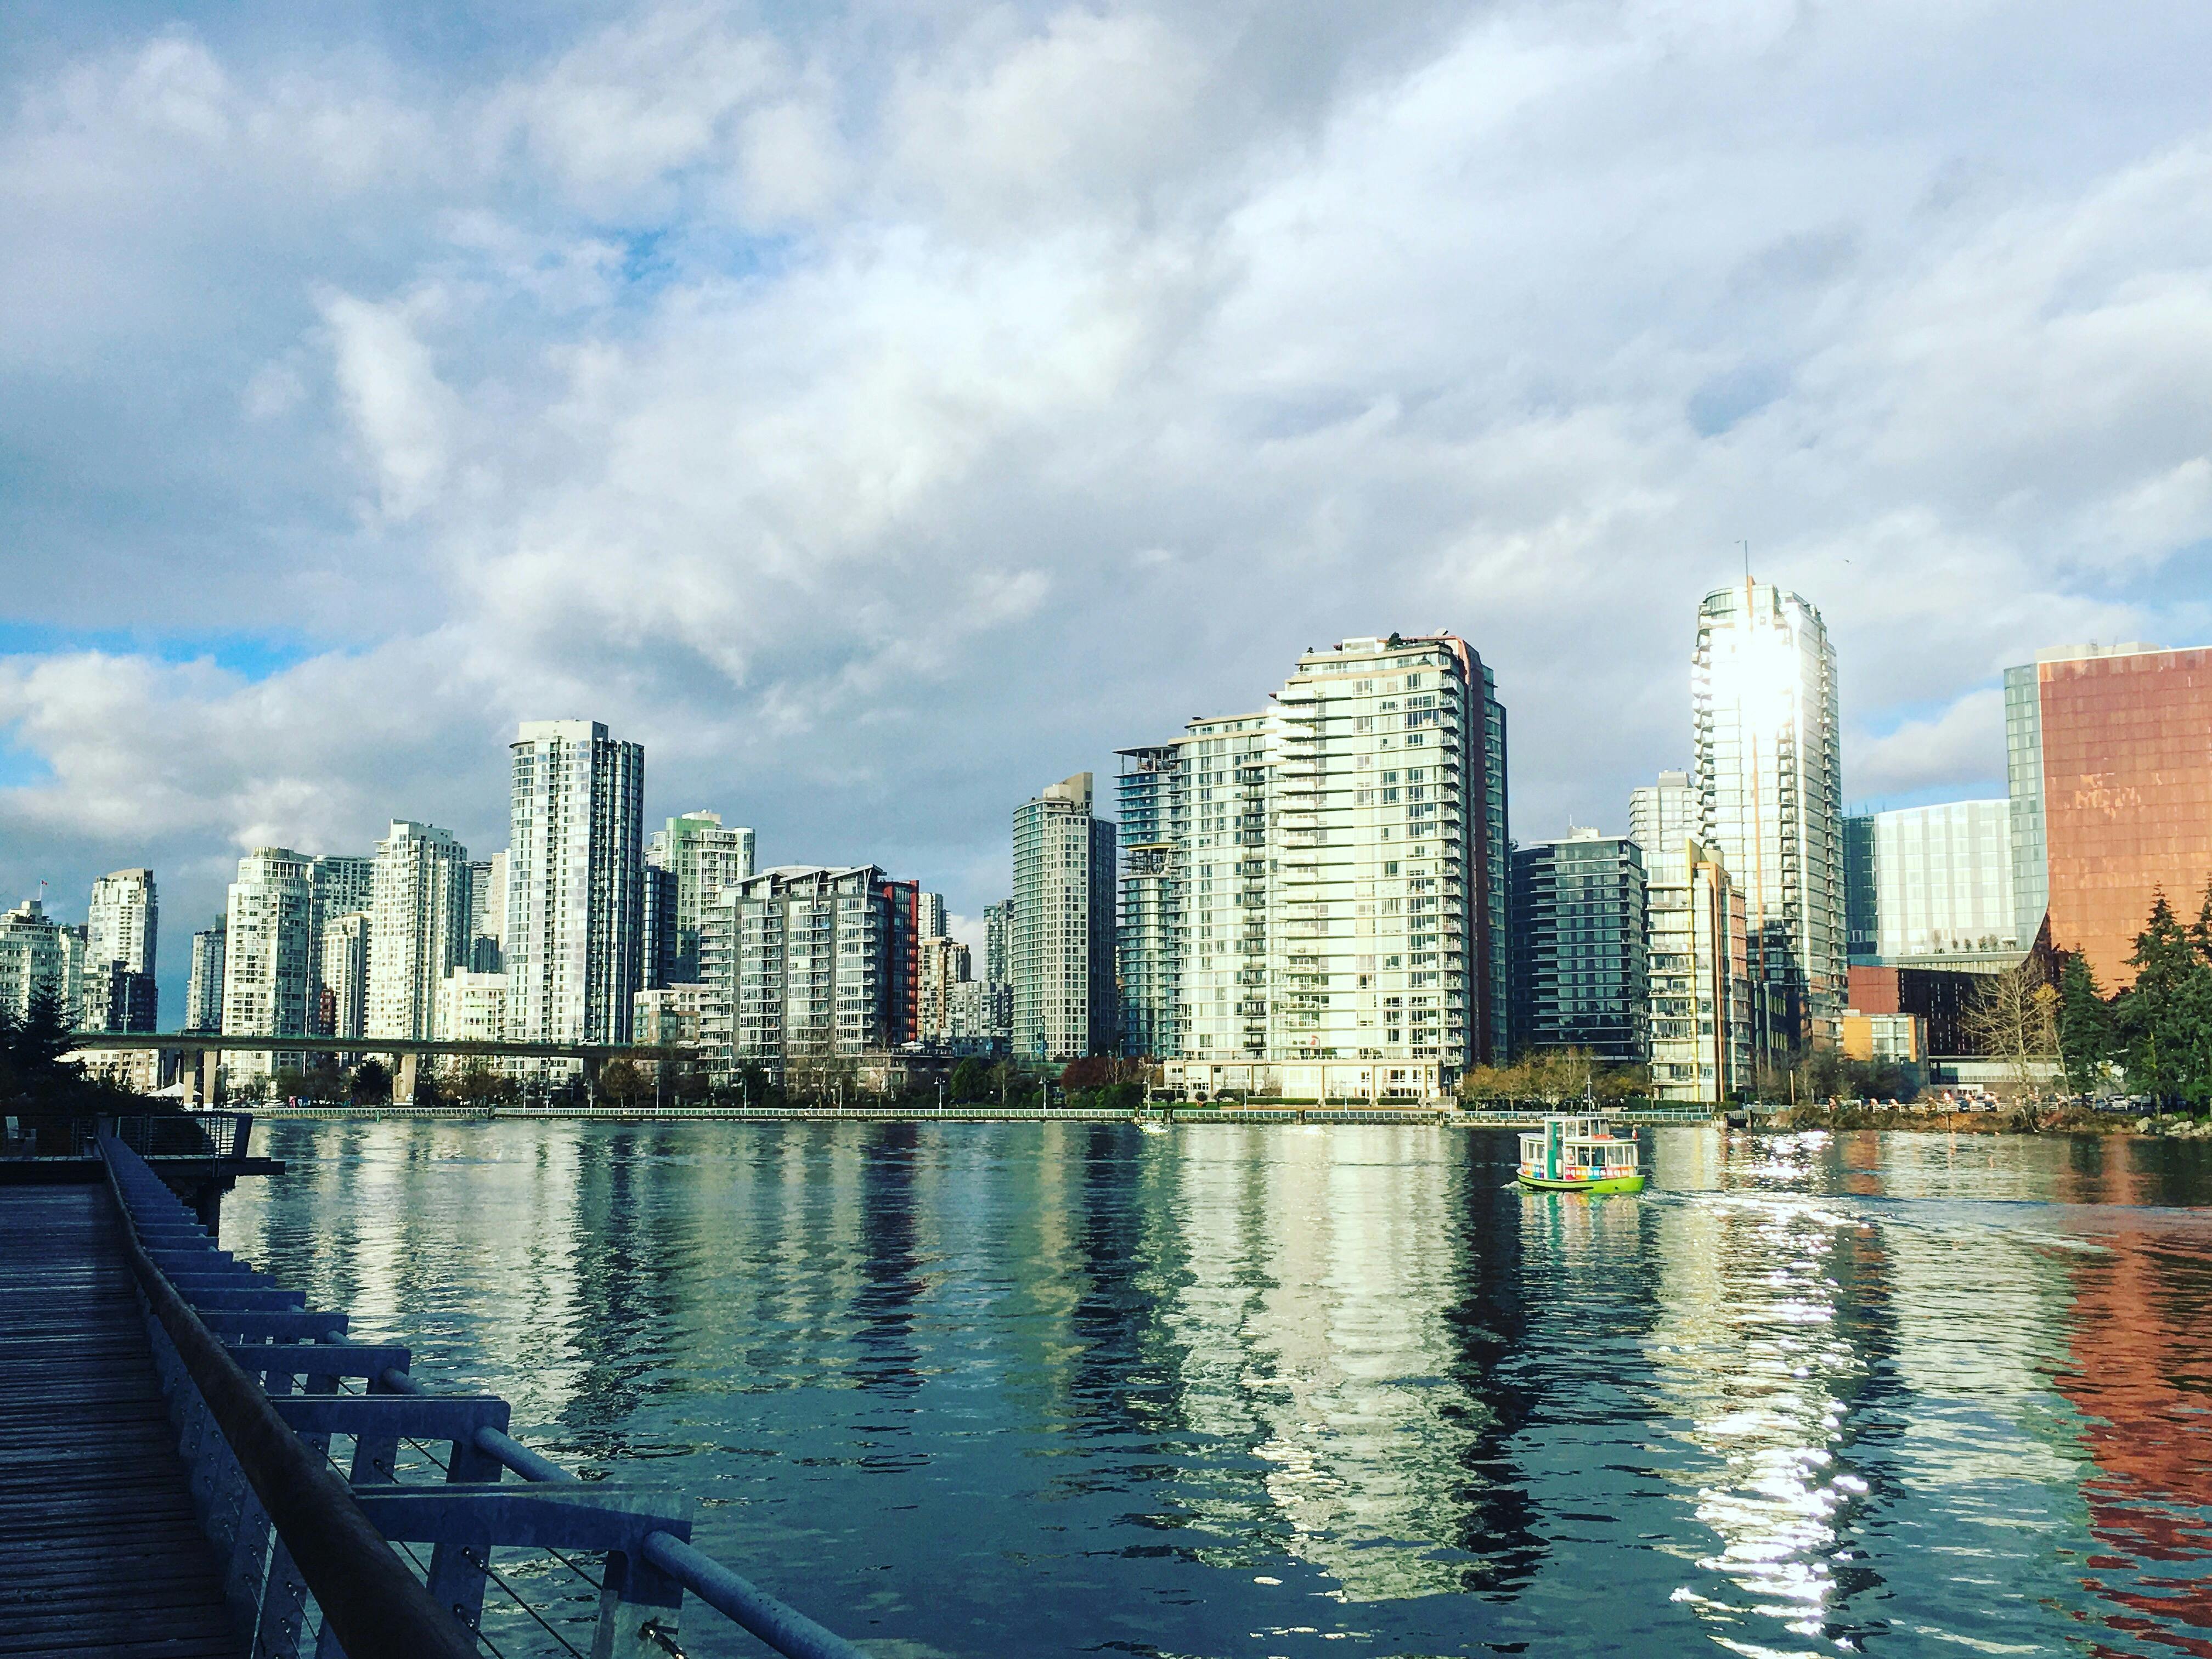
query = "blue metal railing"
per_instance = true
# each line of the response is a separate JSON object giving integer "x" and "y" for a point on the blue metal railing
{"x": 292, "y": 1532}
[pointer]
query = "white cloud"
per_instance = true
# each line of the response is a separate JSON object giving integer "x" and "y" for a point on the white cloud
{"x": 1964, "y": 742}
{"x": 883, "y": 412}
{"x": 402, "y": 413}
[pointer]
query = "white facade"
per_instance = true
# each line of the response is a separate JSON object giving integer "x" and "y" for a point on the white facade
{"x": 418, "y": 927}
{"x": 704, "y": 857}
{"x": 37, "y": 952}
{"x": 269, "y": 967}
{"x": 469, "y": 1007}
{"x": 1344, "y": 916}
{"x": 929, "y": 916}
{"x": 342, "y": 987}
{"x": 1944, "y": 882}
{"x": 204, "y": 987}
{"x": 121, "y": 933}
{"x": 575, "y": 884}
{"x": 122, "y": 921}
{"x": 1662, "y": 816}
{"x": 1770, "y": 783}
{"x": 1066, "y": 1004}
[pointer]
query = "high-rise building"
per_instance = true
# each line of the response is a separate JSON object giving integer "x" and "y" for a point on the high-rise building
{"x": 1662, "y": 816}
{"x": 943, "y": 970}
{"x": 806, "y": 965}
{"x": 1700, "y": 968}
{"x": 38, "y": 953}
{"x": 487, "y": 914}
{"x": 1062, "y": 938}
{"x": 659, "y": 953}
{"x": 341, "y": 977}
{"x": 1154, "y": 804}
{"x": 703, "y": 857}
{"x": 343, "y": 882}
{"x": 1861, "y": 912}
{"x": 1942, "y": 885}
{"x": 1345, "y": 911}
{"x": 269, "y": 966}
{"x": 998, "y": 955}
{"x": 979, "y": 1014}
{"x": 1579, "y": 979}
{"x": 203, "y": 987}
{"x": 1770, "y": 782}
{"x": 930, "y": 916}
{"x": 574, "y": 952}
{"x": 122, "y": 925}
{"x": 418, "y": 927}
{"x": 2111, "y": 793}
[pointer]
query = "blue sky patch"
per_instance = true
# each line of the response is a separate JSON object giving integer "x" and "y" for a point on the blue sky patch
{"x": 250, "y": 656}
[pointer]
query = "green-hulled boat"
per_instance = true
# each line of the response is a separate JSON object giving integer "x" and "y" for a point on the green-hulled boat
{"x": 1580, "y": 1155}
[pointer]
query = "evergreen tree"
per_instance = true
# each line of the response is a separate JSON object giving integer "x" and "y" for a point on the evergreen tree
{"x": 2084, "y": 1025}
{"x": 2165, "y": 1018}
{"x": 44, "y": 1036}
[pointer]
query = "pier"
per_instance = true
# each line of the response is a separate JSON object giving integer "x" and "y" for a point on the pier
{"x": 195, "y": 1463}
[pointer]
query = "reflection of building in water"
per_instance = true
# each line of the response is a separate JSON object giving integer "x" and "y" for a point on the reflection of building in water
{"x": 1315, "y": 1317}
{"x": 2138, "y": 1364}
{"x": 1750, "y": 1349}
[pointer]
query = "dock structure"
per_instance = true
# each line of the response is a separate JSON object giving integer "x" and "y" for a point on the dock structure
{"x": 106, "y": 1557}
{"x": 171, "y": 1426}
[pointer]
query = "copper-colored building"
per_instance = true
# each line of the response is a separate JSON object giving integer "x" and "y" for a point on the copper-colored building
{"x": 2122, "y": 738}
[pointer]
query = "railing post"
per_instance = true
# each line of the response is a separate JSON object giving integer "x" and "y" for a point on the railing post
{"x": 635, "y": 1594}
{"x": 457, "y": 1565}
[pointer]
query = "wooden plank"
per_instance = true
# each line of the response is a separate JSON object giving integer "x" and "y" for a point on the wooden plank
{"x": 104, "y": 1553}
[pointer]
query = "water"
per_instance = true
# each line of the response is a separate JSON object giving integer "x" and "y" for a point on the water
{"x": 1022, "y": 1389}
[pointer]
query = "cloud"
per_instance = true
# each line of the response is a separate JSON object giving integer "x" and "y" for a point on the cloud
{"x": 881, "y": 411}
{"x": 1964, "y": 741}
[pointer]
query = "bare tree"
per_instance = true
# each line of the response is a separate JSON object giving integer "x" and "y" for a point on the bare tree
{"x": 2014, "y": 1021}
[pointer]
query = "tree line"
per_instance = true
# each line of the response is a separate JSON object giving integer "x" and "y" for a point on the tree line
{"x": 2158, "y": 1031}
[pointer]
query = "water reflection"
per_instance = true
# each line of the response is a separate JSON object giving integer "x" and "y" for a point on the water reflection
{"x": 982, "y": 1390}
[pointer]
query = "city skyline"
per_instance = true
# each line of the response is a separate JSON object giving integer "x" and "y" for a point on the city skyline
{"x": 832, "y": 445}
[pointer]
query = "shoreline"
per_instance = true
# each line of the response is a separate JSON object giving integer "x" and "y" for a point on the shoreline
{"x": 1799, "y": 1121}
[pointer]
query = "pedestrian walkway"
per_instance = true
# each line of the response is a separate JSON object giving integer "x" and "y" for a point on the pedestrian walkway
{"x": 103, "y": 1554}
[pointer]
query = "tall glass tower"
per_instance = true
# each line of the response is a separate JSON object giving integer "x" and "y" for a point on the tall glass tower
{"x": 1769, "y": 785}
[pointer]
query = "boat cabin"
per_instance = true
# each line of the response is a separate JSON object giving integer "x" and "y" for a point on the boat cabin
{"x": 1577, "y": 1149}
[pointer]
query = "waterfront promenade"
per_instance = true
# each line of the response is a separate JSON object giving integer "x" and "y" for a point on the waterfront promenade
{"x": 168, "y": 1478}
{"x": 105, "y": 1555}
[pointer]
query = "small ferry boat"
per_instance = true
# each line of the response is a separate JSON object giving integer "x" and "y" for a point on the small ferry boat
{"x": 1580, "y": 1155}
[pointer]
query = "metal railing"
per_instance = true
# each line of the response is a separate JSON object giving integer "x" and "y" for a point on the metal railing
{"x": 297, "y": 1535}
{"x": 178, "y": 1134}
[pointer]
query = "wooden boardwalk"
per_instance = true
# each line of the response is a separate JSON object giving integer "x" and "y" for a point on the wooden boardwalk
{"x": 100, "y": 1551}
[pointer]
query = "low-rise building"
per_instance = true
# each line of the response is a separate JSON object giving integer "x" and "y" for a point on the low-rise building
{"x": 668, "y": 1016}
{"x": 471, "y": 1007}
{"x": 1900, "y": 1039}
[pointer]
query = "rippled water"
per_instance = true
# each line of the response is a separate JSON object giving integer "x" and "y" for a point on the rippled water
{"x": 1014, "y": 1390}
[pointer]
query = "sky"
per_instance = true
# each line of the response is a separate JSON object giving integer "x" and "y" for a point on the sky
{"x": 880, "y": 411}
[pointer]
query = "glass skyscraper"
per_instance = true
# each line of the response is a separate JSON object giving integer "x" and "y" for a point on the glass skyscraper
{"x": 1770, "y": 783}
